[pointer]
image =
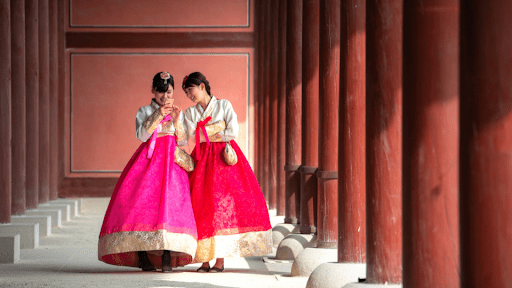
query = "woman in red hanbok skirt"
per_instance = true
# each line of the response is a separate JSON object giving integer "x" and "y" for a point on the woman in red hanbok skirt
{"x": 150, "y": 222}
{"x": 229, "y": 207}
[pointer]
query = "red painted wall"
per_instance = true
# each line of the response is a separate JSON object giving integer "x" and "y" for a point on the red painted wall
{"x": 108, "y": 89}
{"x": 113, "y": 52}
{"x": 158, "y": 13}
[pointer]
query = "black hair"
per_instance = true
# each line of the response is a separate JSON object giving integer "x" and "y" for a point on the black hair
{"x": 196, "y": 79}
{"x": 162, "y": 81}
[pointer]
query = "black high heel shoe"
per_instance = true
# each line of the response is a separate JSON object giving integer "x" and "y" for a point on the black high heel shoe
{"x": 216, "y": 270}
{"x": 144, "y": 262}
{"x": 166, "y": 262}
{"x": 204, "y": 269}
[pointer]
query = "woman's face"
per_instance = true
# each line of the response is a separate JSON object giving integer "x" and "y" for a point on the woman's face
{"x": 194, "y": 93}
{"x": 161, "y": 97}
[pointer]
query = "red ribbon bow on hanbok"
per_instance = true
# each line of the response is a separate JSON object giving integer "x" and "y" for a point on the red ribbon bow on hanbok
{"x": 200, "y": 125}
{"x": 152, "y": 142}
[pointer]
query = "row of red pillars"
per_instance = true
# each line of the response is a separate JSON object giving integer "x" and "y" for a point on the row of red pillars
{"x": 29, "y": 105}
{"x": 394, "y": 133}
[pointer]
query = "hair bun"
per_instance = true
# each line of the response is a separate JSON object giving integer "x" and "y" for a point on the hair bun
{"x": 196, "y": 78}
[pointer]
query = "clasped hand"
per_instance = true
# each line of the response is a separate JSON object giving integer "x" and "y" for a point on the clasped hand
{"x": 169, "y": 109}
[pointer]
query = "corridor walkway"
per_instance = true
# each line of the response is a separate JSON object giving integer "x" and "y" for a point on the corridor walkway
{"x": 68, "y": 258}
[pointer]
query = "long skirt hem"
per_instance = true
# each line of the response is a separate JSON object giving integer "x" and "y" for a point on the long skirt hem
{"x": 122, "y": 248}
{"x": 239, "y": 245}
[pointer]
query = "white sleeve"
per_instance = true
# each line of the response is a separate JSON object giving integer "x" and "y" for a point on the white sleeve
{"x": 145, "y": 124}
{"x": 231, "y": 131}
{"x": 181, "y": 130}
{"x": 141, "y": 133}
{"x": 189, "y": 124}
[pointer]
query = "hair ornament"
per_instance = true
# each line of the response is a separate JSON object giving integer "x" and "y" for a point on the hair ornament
{"x": 165, "y": 76}
{"x": 185, "y": 79}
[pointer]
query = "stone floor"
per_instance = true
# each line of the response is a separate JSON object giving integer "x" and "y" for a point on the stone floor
{"x": 68, "y": 258}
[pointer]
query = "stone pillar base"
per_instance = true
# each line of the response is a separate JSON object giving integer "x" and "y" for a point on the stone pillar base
{"x": 55, "y": 215}
{"x": 29, "y": 233}
{"x": 66, "y": 211}
{"x": 335, "y": 275}
{"x": 44, "y": 221}
{"x": 310, "y": 258}
{"x": 293, "y": 244}
{"x": 280, "y": 231}
{"x": 9, "y": 249}
{"x": 74, "y": 204}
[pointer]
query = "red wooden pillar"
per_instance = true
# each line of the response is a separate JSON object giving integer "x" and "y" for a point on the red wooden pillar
{"x": 430, "y": 144}
{"x": 62, "y": 88}
{"x": 32, "y": 101}
{"x": 281, "y": 110}
{"x": 54, "y": 99}
{"x": 5, "y": 112}
{"x": 257, "y": 92}
{"x": 328, "y": 126}
{"x": 352, "y": 173}
{"x": 44, "y": 102}
{"x": 384, "y": 141}
{"x": 310, "y": 90}
{"x": 18, "y": 85}
{"x": 273, "y": 38}
{"x": 293, "y": 109}
{"x": 486, "y": 144}
{"x": 266, "y": 104}
{"x": 261, "y": 100}
{"x": 263, "y": 119}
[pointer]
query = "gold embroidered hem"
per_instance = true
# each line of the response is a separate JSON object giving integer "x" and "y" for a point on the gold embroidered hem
{"x": 214, "y": 138}
{"x": 181, "y": 135}
{"x": 152, "y": 121}
{"x": 183, "y": 159}
{"x": 257, "y": 243}
{"x": 215, "y": 128}
{"x": 213, "y": 133}
{"x": 163, "y": 134}
{"x": 121, "y": 242}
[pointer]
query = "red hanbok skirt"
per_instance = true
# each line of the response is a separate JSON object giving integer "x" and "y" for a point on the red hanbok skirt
{"x": 229, "y": 207}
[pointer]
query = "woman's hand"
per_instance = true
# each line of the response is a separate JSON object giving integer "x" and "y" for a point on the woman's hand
{"x": 167, "y": 108}
{"x": 175, "y": 112}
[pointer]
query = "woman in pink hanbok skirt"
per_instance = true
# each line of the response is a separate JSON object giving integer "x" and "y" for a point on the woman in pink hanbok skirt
{"x": 229, "y": 206}
{"x": 150, "y": 222}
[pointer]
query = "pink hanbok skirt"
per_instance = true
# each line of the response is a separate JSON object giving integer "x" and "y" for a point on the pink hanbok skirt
{"x": 229, "y": 207}
{"x": 150, "y": 210}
